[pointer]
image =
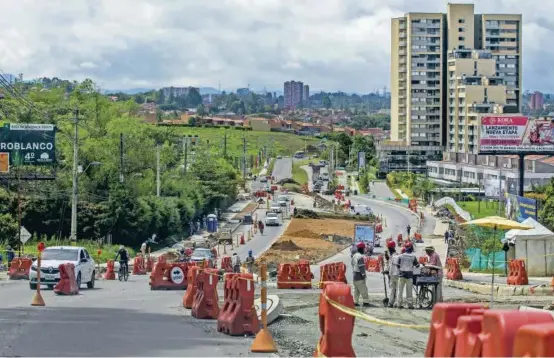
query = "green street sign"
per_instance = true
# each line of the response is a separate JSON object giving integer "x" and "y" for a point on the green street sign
{"x": 29, "y": 144}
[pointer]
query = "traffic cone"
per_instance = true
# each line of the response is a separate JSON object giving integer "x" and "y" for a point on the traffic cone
{"x": 263, "y": 343}
{"x": 242, "y": 239}
{"x": 37, "y": 299}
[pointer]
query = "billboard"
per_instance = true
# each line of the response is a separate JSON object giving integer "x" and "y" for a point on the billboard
{"x": 516, "y": 134}
{"x": 361, "y": 160}
{"x": 492, "y": 188}
{"x": 519, "y": 208}
{"x": 365, "y": 233}
{"x": 29, "y": 144}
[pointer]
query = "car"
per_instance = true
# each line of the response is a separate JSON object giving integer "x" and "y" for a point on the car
{"x": 276, "y": 209}
{"x": 279, "y": 157}
{"x": 322, "y": 163}
{"x": 201, "y": 254}
{"x": 53, "y": 257}
{"x": 272, "y": 219}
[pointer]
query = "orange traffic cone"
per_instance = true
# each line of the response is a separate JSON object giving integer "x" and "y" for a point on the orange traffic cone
{"x": 263, "y": 343}
{"x": 242, "y": 239}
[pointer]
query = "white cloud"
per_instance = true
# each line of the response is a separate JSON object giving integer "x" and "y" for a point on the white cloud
{"x": 329, "y": 44}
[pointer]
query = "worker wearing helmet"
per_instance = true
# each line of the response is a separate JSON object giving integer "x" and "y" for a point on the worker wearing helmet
{"x": 393, "y": 270}
{"x": 123, "y": 257}
{"x": 235, "y": 261}
{"x": 250, "y": 262}
{"x": 358, "y": 268}
{"x": 406, "y": 263}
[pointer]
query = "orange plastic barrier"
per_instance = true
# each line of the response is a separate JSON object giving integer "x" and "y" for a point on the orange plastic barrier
{"x": 205, "y": 304}
{"x": 379, "y": 228}
{"x": 110, "y": 273}
{"x": 417, "y": 236}
{"x": 68, "y": 283}
{"x": 149, "y": 264}
{"x": 295, "y": 275}
{"x": 238, "y": 316}
{"x": 444, "y": 320}
{"x": 169, "y": 276}
{"x": 423, "y": 259}
{"x": 19, "y": 268}
{"x": 336, "y": 326}
{"x": 226, "y": 264}
{"x": 372, "y": 264}
{"x": 517, "y": 274}
{"x": 453, "y": 267}
{"x": 500, "y": 327}
{"x": 332, "y": 272}
{"x": 242, "y": 239}
{"x": 535, "y": 340}
{"x": 188, "y": 297}
{"x": 466, "y": 335}
{"x": 138, "y": 266}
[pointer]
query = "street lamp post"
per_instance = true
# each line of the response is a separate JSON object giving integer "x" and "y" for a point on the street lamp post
{"x": 74, "y": 196}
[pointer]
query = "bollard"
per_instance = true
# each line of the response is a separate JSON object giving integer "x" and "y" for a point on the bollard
{"x": 263, "y": 343}
{"x": 37, "y": 297}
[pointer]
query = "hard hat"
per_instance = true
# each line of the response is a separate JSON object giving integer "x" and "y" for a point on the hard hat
{"x": 249, "y": 252}
{"x": 391, "y": 244}
{"x": 360, "y": 245}
{"x": 408, "y": 245}
{"x": 122, "y": 247}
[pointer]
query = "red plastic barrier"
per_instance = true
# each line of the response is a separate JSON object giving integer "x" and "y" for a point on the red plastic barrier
{"x": 444, "y": 320}
{"x": 378, "y": 228}
{"x": 294, "y": 275}
{"x": 169, "y": 276}
{"x": 138, "y": 266}
{"x": 149, "y": 264}
{"x": 110, "y": 273}
{"x": 68, "y": 283}
{"x": 19, "y": 268}
{"x": 205, "y": 305}
{"x": 423, "y": 259}
{"x": 336, "y": 326}
{"x": 188, "y": 297}
{"x": 500, "y": 327}
{"x": 226, "y": 264}
{"x": 535, "y": 340}
{"x": 466, "y": 335}
{"x": 332, "y": 272}
{"x": 238, "y": 316}
{"x": 517, "y": 273}
{"x": 453, "y": 269}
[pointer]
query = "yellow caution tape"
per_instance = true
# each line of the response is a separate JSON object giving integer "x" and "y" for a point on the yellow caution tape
{"x": 318, "y": 351}
{"x": 368, "y": 318}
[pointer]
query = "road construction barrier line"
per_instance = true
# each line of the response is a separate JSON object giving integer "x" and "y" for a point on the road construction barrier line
{"x": 369, "y": 318}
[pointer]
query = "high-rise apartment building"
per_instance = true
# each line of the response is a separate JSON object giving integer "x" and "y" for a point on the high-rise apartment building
{"x": 536, "y": 102}
{"x": 422, "y": 45}
{"x": 295, "y": 93}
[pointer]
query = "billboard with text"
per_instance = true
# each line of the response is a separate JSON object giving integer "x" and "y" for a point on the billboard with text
{"x": 519, "y": 208}
{"x": 28, "y": 144}
{"x": 516, "y": 134}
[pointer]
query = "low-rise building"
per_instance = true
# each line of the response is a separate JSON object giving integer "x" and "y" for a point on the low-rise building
{"x": 399, "y": 157}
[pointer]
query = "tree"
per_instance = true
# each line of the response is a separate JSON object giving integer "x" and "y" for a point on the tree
{"x": 327, "y": 101}
{"x": 161, "y": 97}
{"x": 200, "y": 110}
{"x": 193, "y": 98}
{"x": 547, "y": 211}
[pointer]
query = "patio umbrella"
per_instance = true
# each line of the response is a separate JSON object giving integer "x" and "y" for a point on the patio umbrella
{"x": 496, "y": 223}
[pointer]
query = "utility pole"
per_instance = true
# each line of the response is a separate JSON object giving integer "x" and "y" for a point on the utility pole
{"x": 208, "y": 146}
{"x": 186, "y": 150}
{"x": 121, "y": 178}
{"x": 19, "y": 209}
{"x": 244, "y": 157}
{"x": 75, "y": 174}
{"x": 158, "y": 180}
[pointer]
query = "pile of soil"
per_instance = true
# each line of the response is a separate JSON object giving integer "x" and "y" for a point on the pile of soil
{"x": 285, "y": 245}
{"x": 287, "y": 181}
{"x": 305, "y": 233}
{"x": 306, "y": 214}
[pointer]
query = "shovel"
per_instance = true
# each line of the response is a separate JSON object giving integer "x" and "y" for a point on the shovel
{"x": 386, "y": 299}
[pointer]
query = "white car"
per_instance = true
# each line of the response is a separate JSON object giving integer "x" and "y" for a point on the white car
{"x": 53, "y": 257}
{"x": 272, "y": 219}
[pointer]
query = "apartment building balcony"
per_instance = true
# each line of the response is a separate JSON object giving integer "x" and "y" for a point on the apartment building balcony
{"x": 402, "y": 52}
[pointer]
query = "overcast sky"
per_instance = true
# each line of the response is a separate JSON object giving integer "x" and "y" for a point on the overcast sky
{"x": 329, "y": 44}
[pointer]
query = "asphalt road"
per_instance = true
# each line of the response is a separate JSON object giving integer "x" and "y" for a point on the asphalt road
{"x": 114, "y": 319}
{"x": 282, "y": 169}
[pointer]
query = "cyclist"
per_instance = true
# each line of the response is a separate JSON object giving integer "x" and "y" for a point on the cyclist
{"x": 123, "y": 257}
{"x": 261, "y": 227}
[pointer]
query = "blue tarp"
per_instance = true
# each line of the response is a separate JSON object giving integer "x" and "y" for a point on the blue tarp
{"x": 478, "y": 261}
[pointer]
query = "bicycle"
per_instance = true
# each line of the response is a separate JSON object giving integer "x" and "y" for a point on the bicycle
{"x": 123, "y": 273}
{"x": 425, "y": 287}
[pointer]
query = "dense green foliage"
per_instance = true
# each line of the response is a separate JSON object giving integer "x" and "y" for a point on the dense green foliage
{"x": 130, "y": 210}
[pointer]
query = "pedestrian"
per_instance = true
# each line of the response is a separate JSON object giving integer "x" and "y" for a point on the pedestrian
{"x": 406, "y": 263}
{"x": 446, "y": 236}
{"x": 408, "y": 229}
{"x": 10, "y": 255}
{"x": 250, "y": 262}
{"x": 435, "y": 260}
{"x": 261, "y": 227}
{"x": 235, "y": 261}
{"x": 393, "y": 271}
{"x": 143, "y": 248}
{"x": 358, "y": 268}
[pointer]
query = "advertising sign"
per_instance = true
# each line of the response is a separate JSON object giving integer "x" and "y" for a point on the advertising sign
{"x": 516, "y": 134}
{"x": 365, "y": 233}
{"x": 4, "y": 162}
{"x": 28, "y": 144}
{"x": 519, "y": 208}
{"x": 361, "y": 160}
{"x": 492, "y": 188}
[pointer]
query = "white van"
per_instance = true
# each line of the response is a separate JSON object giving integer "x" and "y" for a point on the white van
{"x": 360, "y": 210}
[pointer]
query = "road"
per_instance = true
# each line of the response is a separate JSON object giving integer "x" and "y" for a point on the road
{"x": 114, "y": 319}
{"x": 282, "y": 169}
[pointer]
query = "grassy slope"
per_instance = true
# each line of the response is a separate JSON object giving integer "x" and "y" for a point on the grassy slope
{"x": 299, "y": 175}
{"x": 486, "y": 209}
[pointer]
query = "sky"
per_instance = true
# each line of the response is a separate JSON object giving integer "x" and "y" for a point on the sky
{"x": 329, "y": 44}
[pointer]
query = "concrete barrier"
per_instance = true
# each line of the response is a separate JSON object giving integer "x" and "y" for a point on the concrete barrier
{"x": 274, "y": 308}
{"x": 501, "y": 290}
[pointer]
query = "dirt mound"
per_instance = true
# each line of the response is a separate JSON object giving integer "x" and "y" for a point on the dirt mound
{"x": 305, "y": 233}
{"x": 285, "y": 245}
{"x": 306, "y": 214}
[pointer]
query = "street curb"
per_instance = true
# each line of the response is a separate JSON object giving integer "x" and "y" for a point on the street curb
{"x": 396, "y": 206}
{"x": 501, "y": 290}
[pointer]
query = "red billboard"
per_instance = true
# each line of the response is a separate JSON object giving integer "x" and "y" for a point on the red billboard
{"x": 516, "y": 134}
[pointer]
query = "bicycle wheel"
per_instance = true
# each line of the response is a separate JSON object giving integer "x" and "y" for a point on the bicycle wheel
{"x": 126, "y": 274}
{"x": 120, "y": 274}
{"x": 426, "y": 297}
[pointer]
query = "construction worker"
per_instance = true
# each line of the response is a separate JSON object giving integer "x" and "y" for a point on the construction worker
{"x": 435, "y": 260}
{"x": 250, "y": 262}
{"x": 235, "y": 261}
{"x": 406, "y": 263}
{"x": 393, "y": 271}
{"x": 358, "y": 268}
{"x": 408, "y": 229}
